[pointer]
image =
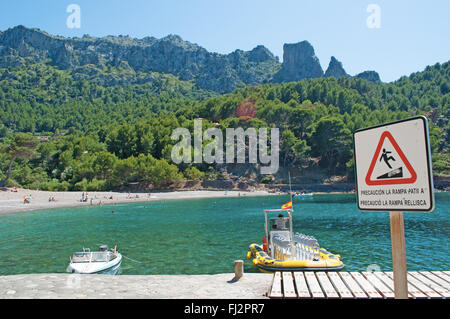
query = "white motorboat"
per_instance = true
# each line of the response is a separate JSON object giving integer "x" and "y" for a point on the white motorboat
{"x": 303, "y": 195}
{"x": 104, "y": 261}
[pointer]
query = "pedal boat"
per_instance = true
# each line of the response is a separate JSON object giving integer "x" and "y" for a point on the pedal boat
{"x": 284, "y": 251}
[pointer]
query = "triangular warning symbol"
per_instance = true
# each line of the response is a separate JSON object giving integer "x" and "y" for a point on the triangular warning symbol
{"x": 390, "y": 176}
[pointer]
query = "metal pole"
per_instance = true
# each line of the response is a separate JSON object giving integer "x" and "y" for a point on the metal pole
{"x": 266, "y": 226}
{"x": 291, "y": 234}
{"x": 290, "y": 188}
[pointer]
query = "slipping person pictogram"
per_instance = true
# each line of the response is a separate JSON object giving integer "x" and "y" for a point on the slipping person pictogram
{"x": 387, "y": 158}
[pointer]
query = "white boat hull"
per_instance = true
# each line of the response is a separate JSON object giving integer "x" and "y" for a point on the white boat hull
{"x": 111, "y": 267}
{"x": 303, "y": 195}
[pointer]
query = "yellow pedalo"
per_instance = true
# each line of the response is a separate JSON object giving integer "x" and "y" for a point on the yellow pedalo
{"x": 284, "y": 251}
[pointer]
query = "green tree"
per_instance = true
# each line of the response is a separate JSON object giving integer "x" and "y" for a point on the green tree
{"x": 104, "y": 164}
{"x": 22, "y": 146}
{"x": 301, "y": 150}
{"x": 124, "y": 172}
{"x": 301, "y": 118}
{"x": 331, "y": 141}
{"x": 122, "y": 141}
{"x": 194, "y": 174}
{"x": 3, "y": 130}
{"x": 288, "y": 141}
{"x": 164, "y": 173}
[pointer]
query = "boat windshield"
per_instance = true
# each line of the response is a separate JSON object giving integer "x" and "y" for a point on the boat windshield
{"x": 100, "y": 256}
{"x": 97, "y": 256}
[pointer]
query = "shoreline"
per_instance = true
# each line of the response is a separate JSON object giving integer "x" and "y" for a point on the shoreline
{"x": 13, "y": 202}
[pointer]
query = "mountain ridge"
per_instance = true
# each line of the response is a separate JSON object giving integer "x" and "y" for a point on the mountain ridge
{"x": 171, "y": 54}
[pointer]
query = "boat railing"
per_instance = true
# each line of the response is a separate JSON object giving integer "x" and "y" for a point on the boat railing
{"x": 306, "y": 240}
{"x": 304, "y": 252}
{"x": 280, "y": 247}
{"x": 306, "y": 248}
{"x": 280, "y": 241}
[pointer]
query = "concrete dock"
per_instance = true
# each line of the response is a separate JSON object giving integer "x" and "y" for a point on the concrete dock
{"x": 74, "y": 286}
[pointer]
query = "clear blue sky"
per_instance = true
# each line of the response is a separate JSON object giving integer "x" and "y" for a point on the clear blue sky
{"x": 412, "y": 34}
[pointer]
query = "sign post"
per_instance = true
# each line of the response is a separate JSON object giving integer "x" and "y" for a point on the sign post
{"x": 394, "y": 174}
{"x": 399, "y": 255}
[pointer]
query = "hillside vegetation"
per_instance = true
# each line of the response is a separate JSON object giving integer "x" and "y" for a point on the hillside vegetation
{"x": 98, "y": 133}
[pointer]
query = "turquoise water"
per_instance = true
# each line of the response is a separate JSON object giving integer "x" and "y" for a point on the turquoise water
{"x": 205, "y": 236}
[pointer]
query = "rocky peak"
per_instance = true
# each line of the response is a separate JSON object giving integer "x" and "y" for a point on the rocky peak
{"x": 299, "y": 62}
{"x": 335, "y": 69}
{"x": 173, "y": 38}
{"x": 369, "y": 76}
{"x": 36, "y": 45}
{"x": 19, "y": 34}
{"x": 260, "y": 54}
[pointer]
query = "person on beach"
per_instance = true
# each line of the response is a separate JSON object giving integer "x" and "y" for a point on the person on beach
{"x": 27, "y": 199}
{"x": 84, "y": 197}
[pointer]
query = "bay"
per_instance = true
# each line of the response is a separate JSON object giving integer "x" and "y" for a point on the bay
{"x": 205, "y": 236}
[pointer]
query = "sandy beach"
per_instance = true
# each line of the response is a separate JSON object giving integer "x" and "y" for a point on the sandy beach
{"x": 13, "y": 201}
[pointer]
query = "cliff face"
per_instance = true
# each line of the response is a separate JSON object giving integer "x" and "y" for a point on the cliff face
{"x": 299, "y": 62}
{"x": 212, "y": 71}
{"x": 171, "y": 54}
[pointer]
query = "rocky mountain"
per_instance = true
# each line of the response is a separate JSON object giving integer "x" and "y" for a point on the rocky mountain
{"x": 89, "y": 57}
{"x": 369, "y": 76}
{"x": 335, "y": 69}
{"x": 212, "y": 71}
{"x": 299, "y": 62}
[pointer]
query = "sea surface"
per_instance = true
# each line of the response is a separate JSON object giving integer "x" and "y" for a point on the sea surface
{"x": 205, "y": 236}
